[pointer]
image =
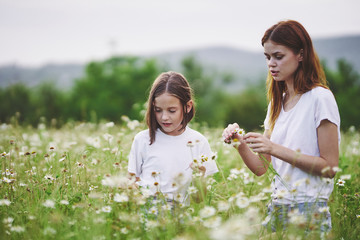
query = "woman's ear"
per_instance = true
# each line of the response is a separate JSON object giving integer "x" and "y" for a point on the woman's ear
{"x": 189, "y": 105}
{"x": 301, "y": 55}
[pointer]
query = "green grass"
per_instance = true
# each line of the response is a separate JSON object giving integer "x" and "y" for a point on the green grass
{"x": 53, "y": 187}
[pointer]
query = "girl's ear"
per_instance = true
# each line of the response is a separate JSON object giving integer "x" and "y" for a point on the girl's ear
{"x": 189, "y": 105}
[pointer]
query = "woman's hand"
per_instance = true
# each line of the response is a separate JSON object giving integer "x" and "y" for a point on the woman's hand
{"x": 232, "y": 133}
{"x": 258, "y": 143}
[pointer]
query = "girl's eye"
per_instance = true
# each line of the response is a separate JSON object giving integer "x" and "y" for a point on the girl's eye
{"x": 279, "y": 57}
{"x": 172, "y": 111}
{"x": 157, "y": 110}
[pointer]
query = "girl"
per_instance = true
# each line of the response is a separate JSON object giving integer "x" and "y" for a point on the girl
{"x": 302, "y": 127}
{"x": 161, "y": 157}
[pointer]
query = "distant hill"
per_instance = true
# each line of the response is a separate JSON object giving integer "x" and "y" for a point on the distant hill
{"x": 246, "y": 66}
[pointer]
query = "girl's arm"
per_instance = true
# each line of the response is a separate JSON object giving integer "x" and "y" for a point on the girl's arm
{"x": 257, "y": 164}
{"x": 328, "y": 145}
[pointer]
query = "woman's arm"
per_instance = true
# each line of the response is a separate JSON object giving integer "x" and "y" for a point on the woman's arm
{"x": 328, "y": 145}
{"x": 254, "y": 162}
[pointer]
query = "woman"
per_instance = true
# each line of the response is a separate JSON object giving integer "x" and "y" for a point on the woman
{"x": 302, "y": 127}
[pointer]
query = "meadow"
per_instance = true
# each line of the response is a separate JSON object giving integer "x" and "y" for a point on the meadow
{"x": 72, "y": 183}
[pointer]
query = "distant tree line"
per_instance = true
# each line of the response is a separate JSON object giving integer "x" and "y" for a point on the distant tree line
{"x": 120, "y": 85}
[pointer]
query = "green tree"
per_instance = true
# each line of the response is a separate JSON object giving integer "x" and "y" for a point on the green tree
{"x": 209, "y": 97}
{"x": 248, "y": 108}
{"x": 345, "y": 84}
{"x": 110, "y": 89}
{"x": 15, "y": 100}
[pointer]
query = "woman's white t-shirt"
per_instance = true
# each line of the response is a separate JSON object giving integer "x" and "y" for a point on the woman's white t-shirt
{"x": 163, "y": 166}
{"x": 297, "y": 129}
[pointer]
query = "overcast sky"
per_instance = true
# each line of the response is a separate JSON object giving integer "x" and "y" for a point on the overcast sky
{"x": 35, "y": 32}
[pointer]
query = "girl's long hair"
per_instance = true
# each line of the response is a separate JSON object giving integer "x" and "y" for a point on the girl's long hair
{"x": 176, "y": 85}
{"x": 309, "y": 74}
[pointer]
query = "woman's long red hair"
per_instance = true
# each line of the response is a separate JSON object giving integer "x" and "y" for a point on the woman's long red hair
{"x": 309, "y": 74}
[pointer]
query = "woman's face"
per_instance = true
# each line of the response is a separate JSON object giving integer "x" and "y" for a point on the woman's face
{"x": 282, "y": 61}
{"x": 168, "y": 113}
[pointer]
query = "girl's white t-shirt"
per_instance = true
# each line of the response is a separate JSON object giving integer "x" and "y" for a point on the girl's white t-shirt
{"x": 297, "y": 129}
{"x": 163, "y": 166}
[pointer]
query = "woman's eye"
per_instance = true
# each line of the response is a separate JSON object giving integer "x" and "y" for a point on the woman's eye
{"x": 279, "y": 57}
{"x": 172, "y": 111}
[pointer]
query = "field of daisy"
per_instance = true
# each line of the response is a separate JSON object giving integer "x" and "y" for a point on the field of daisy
{"x": 71, "y": 183}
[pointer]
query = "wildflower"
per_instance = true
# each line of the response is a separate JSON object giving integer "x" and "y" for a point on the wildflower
{"x": 223, "y": 206}
{"x": 64, "y": 202}
{"x": 296, "y": 218}
{"x": 203, "y": 158}
{"x": 124, "y": 230}
{"x": 17, "y": 229}
{"x": 166, "y": 207}
{"x": 108, "y": 137}
{"x": 4, "y": 202}
{"x": 49, "y": 204}
{"x": 340, "y": 182}
{"x": 190, "y": 144}
{"x": 133, "y": 124}
{"x": 109, "y": 124}
{"x": 155, "y": 174}
{"x": 324, "y": 209}
{"x": 49, "y": 231}
{"x": 153, "y": 210}
{"x": 8, "y": 221}
{"x": 337, "y": 169}
{"x": 106, "y": 209}
{"x": 121, "y": 197}
{"x": 212, "y": 222}
{"x": 207, "y": 212}
{"x": 8, "y": 180}
{"x": 49, "y": 177}
{"x": 242, "y": 202}
{"x": 80, "y": 165}
{"x": 345, "y": 177}
{"x": 192, "y": 190}
{"x": 92, "y": 187}
{"x": 151, "y": 224}
{"x": 358, "y": 216}
{"x": 62, "y": 159}
{"x": 117, "y": 165}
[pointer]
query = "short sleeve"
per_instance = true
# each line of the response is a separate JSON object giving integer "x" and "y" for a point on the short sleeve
{"x": 210, "y": 165}
{"x": 267, "y": 119}
{"x": 135, "y": 157}
{"x": 326, "y": 108}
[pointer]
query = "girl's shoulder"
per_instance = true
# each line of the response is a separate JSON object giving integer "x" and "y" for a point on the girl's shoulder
{"x": 196, "y": 135}
{"x": 142, "y": 136}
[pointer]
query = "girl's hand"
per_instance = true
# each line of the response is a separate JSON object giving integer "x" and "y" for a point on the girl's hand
{"x": 231, "y": 133}
{"x": 198, "y": 168}
{"x": 258, "y": 143}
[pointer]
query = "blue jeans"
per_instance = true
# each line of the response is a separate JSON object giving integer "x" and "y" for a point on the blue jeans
{"x": 281, "y": 216}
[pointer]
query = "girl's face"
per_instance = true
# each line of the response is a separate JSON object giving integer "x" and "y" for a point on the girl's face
{"x": 169, "y": 113}
{"x": 281, "y": 61}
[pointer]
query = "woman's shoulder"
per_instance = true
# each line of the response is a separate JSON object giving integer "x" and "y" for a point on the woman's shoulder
{"x": 321, "y": 93}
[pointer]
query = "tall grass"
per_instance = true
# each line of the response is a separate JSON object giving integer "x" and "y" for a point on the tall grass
{"x": 71, "y": 183}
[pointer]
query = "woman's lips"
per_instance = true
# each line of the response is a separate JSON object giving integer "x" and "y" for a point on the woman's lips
{"x": 274, "y": 73}
{"x": 166, "y": 124}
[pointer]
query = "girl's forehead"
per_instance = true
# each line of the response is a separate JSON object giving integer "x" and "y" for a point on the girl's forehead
{"x": 167, "y": 100}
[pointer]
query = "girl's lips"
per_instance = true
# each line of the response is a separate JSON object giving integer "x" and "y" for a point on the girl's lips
{"x": 166, "y": 124}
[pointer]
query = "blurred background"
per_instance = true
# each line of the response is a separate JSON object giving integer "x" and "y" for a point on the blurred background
{"x": 91, "y": 60}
